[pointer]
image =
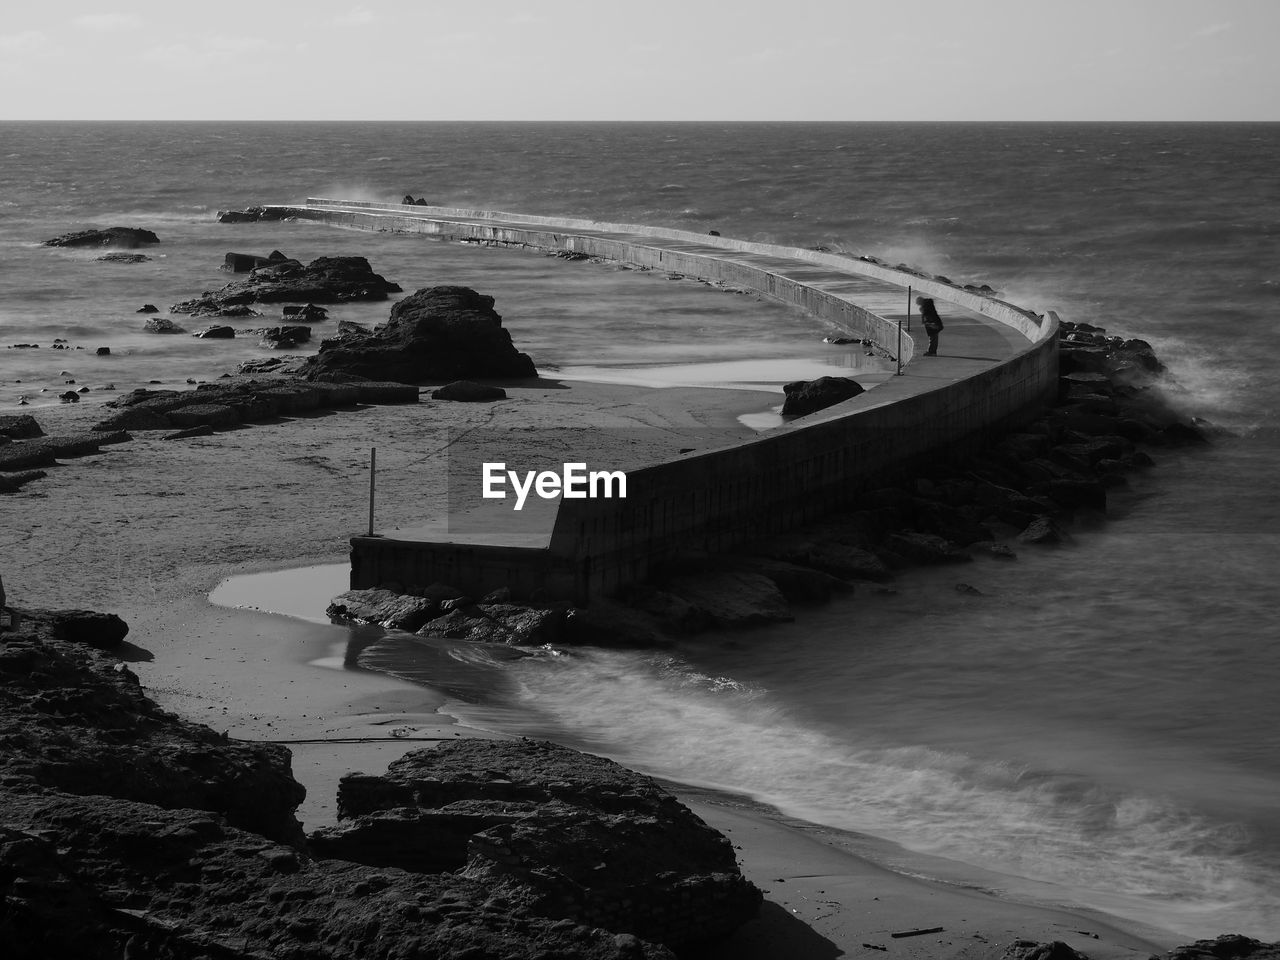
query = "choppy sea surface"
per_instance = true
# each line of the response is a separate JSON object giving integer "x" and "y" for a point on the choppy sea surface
{"x": 1099, "y": 726}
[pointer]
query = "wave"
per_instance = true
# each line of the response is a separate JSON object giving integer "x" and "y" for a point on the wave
{"x": 1142, "y": 856}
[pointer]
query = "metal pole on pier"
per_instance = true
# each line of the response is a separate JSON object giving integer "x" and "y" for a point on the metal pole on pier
{"x": 908, "y": 306}
{"x": 373, "y": 469}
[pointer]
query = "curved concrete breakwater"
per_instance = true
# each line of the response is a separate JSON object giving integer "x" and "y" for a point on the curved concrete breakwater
{"x": 998, "y": 369}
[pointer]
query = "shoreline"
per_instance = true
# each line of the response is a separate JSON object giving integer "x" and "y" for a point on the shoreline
{"x": 233, "y": 671}
{"x": 798, "y": 864}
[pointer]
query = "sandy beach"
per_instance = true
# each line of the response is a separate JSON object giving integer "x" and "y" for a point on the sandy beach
{"x": 148, "y": 528}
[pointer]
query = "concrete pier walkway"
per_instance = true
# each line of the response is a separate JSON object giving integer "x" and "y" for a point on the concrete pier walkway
{"x": 996, "y": 366}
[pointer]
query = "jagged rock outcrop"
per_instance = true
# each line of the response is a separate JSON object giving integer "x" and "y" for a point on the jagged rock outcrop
{"x": 323, "y": 280}
{"x": 229, "y": 402}
{"x": 123, "y": 258}
{"x": 125, "y": 831}
{"x": 46, "y": 451}
{"x": 731, "y": 598}
{"x": 810, "y": 396}
{"x": 125, "y": 237}
{"x": 438, "y": 333}
{"x": 554, "y": 833}
{"x": 245, "y": 262}
{"x": 218, "y": 331}
{"x": 254, "y": 214}
{"x": 506, "y": 623}
{"x": 80, "y": 724}
{"x": 162, "y": 325}
{"x": 1228, "y": 946}
{"x": 19, "y": 426}
{"x": 385, "y": 608}
{"x": 89, "y": 627}
{"x": 284, "y": 337}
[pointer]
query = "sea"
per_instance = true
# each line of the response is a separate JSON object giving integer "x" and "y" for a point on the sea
{"x": 1095, "y": 725}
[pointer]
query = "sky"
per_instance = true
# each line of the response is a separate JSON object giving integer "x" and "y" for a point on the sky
{"x": 658, "y": 60}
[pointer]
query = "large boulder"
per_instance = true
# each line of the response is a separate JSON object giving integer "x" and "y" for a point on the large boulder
{"x": 438, "y": 333}
{"x": 76, "y": 722}
{"x": 554, "y": 833}
{"x": 732, "y": 598}
{"x": 809, "y": 396}
{"x": 125, "y": 237}
{"x": 128, "y": 832}
{"x": 19, "y": 426}
{"x": 324, "y": 280}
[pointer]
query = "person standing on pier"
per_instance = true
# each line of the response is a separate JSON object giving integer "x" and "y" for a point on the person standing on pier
{"x": 932, "y": 323}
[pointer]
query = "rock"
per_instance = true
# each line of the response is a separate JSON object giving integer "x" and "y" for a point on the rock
{"x": 835, "y": 559}
{"x": 285, "y": 337}
{"x": 123, "y": 258}
{"x": 608, "y": 623}
{"x": 71, "y": 722}
{"x": 69, "y": 397}
{"x": 384, "y": 608}
{"x": 306, "y": 313}
{"x": 19, "y": 426}
{"x": 496, "y": 623}
{"x": 324, "y": 280}
{"x": 148, "y": 308}
{"x": 809, "y": 396}
{"x": 126, "y": 237}
{"x": 101, "y": 630}
{"x": 130, "y": 832}
{"x": 136, "y": 419}
{"x": 436, "y": 333}
{"x": 103, "y": 352}
{"x": 162, "y": 325}
{"x": 216, "y": 332}
{"x": 235, "y": 401}
{"x": 467, "y": 391}
{"x": 348, "y": 327}
{"x": 925, "y": 548}
{"x": 254, "y": 214}
{"x": 1229, "y": 946}
{"x": 798, "y": 584}
{"x": 245, "y": 262}
{"x": 554, "y": 833}
{"x": 204, "y": 414}
{"x": 1022, "y": 949}
{"x": 1042, "y": 530}
{"x": 289, "y": 364}
{"x": 11, "y": 482}
{"x": 732, "y": 598}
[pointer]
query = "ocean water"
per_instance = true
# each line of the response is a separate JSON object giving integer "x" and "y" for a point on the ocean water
{"x": 1099, "y": 725}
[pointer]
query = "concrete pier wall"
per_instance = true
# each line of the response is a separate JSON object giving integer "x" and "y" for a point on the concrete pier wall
{"x": 720, "y": 499}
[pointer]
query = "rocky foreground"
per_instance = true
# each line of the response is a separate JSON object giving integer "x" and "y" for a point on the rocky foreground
{"x": 128, "y": 832}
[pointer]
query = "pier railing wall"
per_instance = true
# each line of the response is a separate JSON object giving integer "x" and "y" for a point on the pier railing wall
{"x": 718, "y": 500}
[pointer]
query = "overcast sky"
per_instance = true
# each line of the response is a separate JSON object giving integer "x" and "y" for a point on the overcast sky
{"x": 653, "y": 60}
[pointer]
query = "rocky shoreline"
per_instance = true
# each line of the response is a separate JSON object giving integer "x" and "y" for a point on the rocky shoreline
{"x": 129, "y": 832}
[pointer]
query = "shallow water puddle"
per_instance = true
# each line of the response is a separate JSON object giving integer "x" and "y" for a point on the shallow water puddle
{"x": 302, "y": 593}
